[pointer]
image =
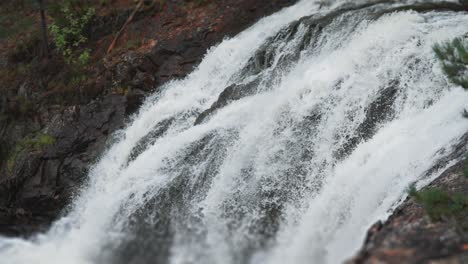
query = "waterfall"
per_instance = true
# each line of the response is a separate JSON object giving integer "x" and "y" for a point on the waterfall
{"x": 284, "y": 145}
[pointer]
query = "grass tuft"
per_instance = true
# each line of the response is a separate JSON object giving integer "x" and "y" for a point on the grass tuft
{"x": 36, "y": 142}
{"x": 440, "y": 205}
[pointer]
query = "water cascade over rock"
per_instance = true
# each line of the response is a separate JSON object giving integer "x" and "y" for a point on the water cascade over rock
{"x": 284, "y": 145}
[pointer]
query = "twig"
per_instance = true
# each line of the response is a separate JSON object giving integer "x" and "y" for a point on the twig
{"x": 129, "y": 19}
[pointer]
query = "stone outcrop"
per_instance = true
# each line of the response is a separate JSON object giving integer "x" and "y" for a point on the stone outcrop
{"x": 36, "y": 183}
{"x": 410, "y": 236}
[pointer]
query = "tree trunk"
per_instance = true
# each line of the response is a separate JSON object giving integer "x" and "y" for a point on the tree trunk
{"x": 45, "y": 42}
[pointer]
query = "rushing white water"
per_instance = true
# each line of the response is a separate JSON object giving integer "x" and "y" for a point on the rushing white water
{"x": 332, "y": 125}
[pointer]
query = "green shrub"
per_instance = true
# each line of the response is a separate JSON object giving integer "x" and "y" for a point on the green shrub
{"x": 132, "y": 44}
{"x": 454, "y": 58}
{"x": 71, "y": 19}
{"x": 439, "y": 204}
{"x": 85, "y": 57}
{"x": 42, "y": 140}
{"x": 412, "y": 192}
{"x": 35, "y": 142}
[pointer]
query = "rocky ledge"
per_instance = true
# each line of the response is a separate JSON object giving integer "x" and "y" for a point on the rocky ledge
{"x": 425, "y": 231}
{"x": 53, "y": 125}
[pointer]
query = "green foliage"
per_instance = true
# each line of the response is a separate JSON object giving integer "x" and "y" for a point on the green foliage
{"x": 35, "y": 142}
{"x": 71, "y": 19}
{"x": 103, "y": 2}
{"x": 85, "y": 57}
{"x": 42, "y": 140}
{"x": 77, "y": 80}
{"x": 454, "y": 58}
{"x": 441, "y": 205}
{"x": 412, "y": 190}
{"x": 132, "y": 44}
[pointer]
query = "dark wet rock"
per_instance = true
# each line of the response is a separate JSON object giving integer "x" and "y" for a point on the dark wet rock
{"x": 82, "y": 117}
{"x": 178, "y": 49}
{"x": 43, "y": 181}
{"x": 158, "y": 130}
{"x": 379, "y": 111}
{"x": 428, "y": 7}
{"x": 231, "y": 93}
{"x": 135, "y": 97}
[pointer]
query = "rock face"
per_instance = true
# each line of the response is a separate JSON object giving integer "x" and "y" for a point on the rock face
{"x": 38, "y": 179}
{"x": 42, "y": 181}
{"x": 411, "y": 236}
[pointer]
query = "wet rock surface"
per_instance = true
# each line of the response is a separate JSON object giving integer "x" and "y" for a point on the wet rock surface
{"x": 37, "y": 182}
{"x": 42, "y": 181}
{"x": 411, "y": 236}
